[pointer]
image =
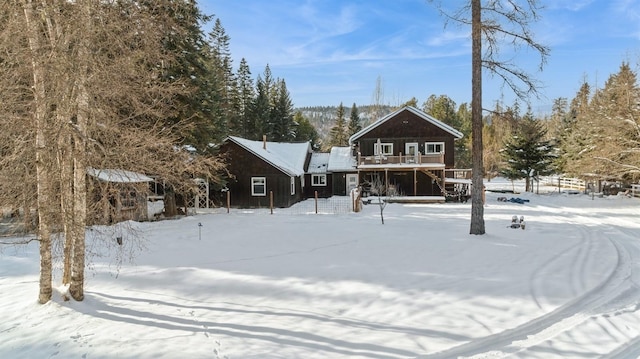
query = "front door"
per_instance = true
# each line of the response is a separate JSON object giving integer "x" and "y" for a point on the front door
{"x": 411, "y": 152}
{"x": 352, "y": 182}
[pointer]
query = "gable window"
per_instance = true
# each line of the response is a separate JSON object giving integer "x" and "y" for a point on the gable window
{"x": 258, "y": 186}
{"x": 434, "y": 147}
{"x": 319, "y": 180}
{"x": 293, "y": 186}
{"x": 383, "y": 149}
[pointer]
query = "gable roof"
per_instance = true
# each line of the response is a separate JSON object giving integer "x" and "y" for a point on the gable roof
{"x": 457, "y": 134}
{"x": 318, "y": 163}
{"x": 341, "y": 160}
{"x": 287, "y": 157}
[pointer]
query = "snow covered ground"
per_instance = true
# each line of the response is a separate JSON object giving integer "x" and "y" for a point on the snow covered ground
{"x": 253, "y": 285}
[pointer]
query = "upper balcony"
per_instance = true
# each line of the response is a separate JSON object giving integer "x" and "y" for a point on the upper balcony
{"x": 406, "y": 161}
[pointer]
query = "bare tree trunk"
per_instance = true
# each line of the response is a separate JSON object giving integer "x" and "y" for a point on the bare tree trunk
{"x": 477, "y": 204}
{"x": 66, "y": 198}
{"x": 170, "y": 207}
{"x": 76, "y": 288}
{"x": 43, "y": 163}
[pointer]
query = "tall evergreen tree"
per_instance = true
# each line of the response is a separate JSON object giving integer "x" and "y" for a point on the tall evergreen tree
{"x": 354, "y": 121}
{"x": 246, "y": 95}
{"x": 261, "y": 121}
{"x": 223, "y": 80}
{"x": 527, "y": 153}
{"x": 338, "y": 133}
{"x": 283, "y": 126}
{"x": 258, "y": 123}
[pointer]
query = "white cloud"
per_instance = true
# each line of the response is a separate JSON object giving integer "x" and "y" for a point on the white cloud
{"x": 572, "y": 5}
{"x": 449, "y": 37}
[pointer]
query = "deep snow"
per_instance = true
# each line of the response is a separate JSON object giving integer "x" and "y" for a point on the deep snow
{"x": 344, "y": 286}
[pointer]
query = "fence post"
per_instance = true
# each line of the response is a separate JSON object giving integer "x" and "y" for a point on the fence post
{"x": 353, "y": 202}
{"x": 228, "y": 201}
{"x": 271, "y": 201}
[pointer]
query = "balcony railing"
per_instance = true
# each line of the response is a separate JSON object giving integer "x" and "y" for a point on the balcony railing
{"x": 431, "y": 158}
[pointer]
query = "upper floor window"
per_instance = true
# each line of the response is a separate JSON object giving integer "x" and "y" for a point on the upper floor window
{"x": 385, "y": 149}
{"x": 434, "y": 147}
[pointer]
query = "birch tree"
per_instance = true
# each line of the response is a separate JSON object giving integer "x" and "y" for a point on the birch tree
{"x": 112, "y": 113}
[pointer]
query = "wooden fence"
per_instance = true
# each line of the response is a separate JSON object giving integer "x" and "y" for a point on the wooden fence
{"x": 564, "y": 182}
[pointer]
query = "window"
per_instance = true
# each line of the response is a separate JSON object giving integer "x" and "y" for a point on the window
{"x": 319, "y": 180}
{"x": 258, "y": 186}
{"x": 434, "y": 147}
{"x": 385, "y": 149}
{"x": 293, "y": 186}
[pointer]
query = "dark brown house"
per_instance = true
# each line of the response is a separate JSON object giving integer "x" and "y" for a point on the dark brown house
{"x": 261, "y": 170}
{"x": 409, "y": 152}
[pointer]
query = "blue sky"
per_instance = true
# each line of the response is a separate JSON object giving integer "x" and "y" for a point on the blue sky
{"x": 332, "y": 51}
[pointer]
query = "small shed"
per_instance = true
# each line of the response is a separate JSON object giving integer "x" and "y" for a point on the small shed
{"x": 118, "y": 195}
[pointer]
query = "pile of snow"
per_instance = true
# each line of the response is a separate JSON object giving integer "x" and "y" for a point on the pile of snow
{"x": 253, "y": 285}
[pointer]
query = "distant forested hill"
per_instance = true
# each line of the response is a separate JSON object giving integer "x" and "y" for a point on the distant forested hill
{"x": 324, "y": 117}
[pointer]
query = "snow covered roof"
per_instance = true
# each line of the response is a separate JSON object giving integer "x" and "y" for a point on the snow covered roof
{"x": 319, "y": 163}
{"x": 287, "y": 157}
{"x": 341, "y": 160}
{"x": 413, "y": 110}
{"x": 118, "y": 176}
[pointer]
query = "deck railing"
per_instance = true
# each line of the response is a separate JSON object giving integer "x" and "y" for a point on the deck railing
{"x": 403, "y": 160}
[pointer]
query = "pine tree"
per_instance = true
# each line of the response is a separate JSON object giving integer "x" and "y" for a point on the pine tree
{"x": 260, "y": 112}
{"x": 224, "y": 81}
{"x": 527, "y": 154}
{"x": 354, "y": 121}
{"x": 283, "y": 128}
{"x": 246, "y": 95}
{"x": 338, "y": 133}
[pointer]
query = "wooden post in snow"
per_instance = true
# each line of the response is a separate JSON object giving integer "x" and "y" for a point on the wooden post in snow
{"x": 228, "y": 201}
{"x": 271, "y": 201}
{"x": 315, "y": 195}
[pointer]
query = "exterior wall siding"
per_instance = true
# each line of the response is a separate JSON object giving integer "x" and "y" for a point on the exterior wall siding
{"x": 404, "y": 128}
{"x": 243, "y": 165}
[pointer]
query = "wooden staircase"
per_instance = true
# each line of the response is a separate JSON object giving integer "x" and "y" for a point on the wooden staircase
{"x": 437, "y": 179}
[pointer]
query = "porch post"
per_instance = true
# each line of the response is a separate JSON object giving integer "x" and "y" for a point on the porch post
{"x": 386, "y": 178}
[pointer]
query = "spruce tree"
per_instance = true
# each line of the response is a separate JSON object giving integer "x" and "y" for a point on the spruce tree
{"x": 224, "y": 81}
{"x": 283, "y": 126}
{"x": 354, "y": 121}
{"x": 338, "y": 133}
{"x": 527, "y": 154}
{"x": 246, "y": 95}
